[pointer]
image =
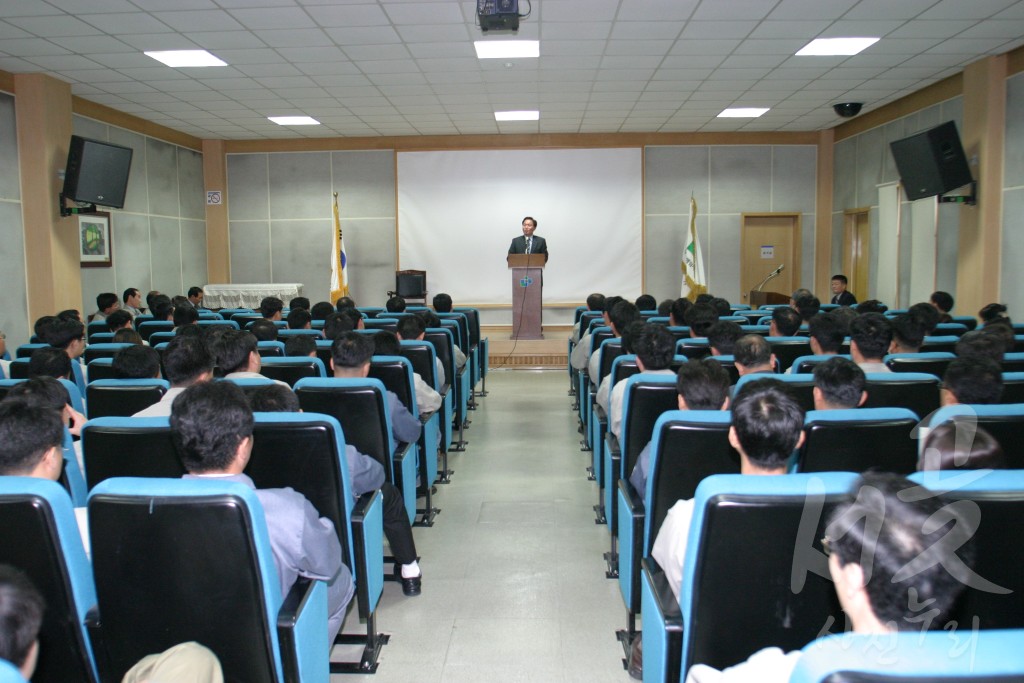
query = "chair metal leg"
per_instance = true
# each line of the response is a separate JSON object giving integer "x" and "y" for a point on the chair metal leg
{"x": 372, "y": 643}
{"x": 446, "y": 474}
{"x": 599, "y": 508}
{"x": 611, "y": 558}
{"x": 428, "y": 512}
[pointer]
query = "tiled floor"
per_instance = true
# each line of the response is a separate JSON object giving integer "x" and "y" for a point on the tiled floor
{"x": 514, "y": 586}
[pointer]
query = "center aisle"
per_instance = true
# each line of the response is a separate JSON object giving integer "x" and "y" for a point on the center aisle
{"x": 513, "y": 575}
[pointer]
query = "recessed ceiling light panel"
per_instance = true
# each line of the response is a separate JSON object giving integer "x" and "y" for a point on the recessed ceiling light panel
{"x": 507, "y": 49}
{"x": 294, "y": 120}
{"x": 183, "y": 58}
{"x": 741, "y": 113}
{"x": 533, "y": 115}
{"x": 824, "y": 47}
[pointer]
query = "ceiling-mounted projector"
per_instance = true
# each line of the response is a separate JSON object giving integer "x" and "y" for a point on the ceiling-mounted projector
{"x": 498, "y": 15}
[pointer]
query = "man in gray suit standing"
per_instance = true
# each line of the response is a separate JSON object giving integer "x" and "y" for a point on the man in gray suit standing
{"x": 529, "y": 243}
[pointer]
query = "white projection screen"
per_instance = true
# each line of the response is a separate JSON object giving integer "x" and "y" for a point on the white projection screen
{"x": 459, "y": 210}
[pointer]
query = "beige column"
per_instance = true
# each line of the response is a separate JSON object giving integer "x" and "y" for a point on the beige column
{"x": 42, "y": 106}
{"x": 977, "y": 278}
{"x": 823, "y": 215}
{"x": 218, "y": 238}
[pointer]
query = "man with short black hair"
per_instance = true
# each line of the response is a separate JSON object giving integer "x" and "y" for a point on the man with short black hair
{"x": 186, "y": 362}
{"x": 31, "y": 439}
{"x": 299, "y": 319}
{"x": 908, "y": 334}
{"x": 983, "y": 343}
{"x": 807, "y": 307}
{"x": 839, "y": 384}
{"x": 442, "y": 303}
{"x": 410, "y": 328}
{"x": 21, "y": 617}
{"x": 840, "y": 296}
{"x": 645, "y": 302}
{"x": 944, "y": 302}
{"x": 137, "y": 362}
{"x": 67, "y": 335}
{"x": 677, "y": 313}
{"x": 785, "y": 322}
{"x": 298, "y": 302}
{"x": 722, "y": 337}
{"x": 195, "y": 297}
{"x": 236, "y": 355}
{"x": 162, "y": 308}
{"x": 870, "y": 337}
{"x": 50, "y": 362}
{"x": 185, "y": 315}
{"x": 752, "y": 355}
{"x": 826, "y": 334}
{"x": 595, "y": 302}
{"x": 344, "y": 302}
{"x": 654, "y": 347}
{"x": 621, "y": 315}
{"x": 338, "y": 323}
{"x": 395, "y": 304}
{"x": 271, "y": 307}
{"x": 212, "y": 427}
{"x": 119, "y": 320}
{"x": 925, "y": 315}
{"x": 321, "y": 310}
{"x": 973, "y": 381}
{"x": 700, "y": 318}
{"x": 300, "y": 345}
{"x": 721, "y": 305}
{"x": 132, "y": 301}
{"x": 106, "y": 303}
{"x": 263, "y": 330}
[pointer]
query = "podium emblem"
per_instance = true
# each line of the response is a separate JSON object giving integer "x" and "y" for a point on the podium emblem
{"x": 526, "y": 281}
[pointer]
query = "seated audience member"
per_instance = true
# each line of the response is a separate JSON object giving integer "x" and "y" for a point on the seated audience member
{"x": 797, "y": 295}
{"x": 49, "y": 363}
{"x": 119, "y": 320}
{"x": 629, "y": 336}
{"x": 702, "y": 385}
{"x": 345, "y": 320}
{"x": 132, "y": 302}
{"x": 595, "y": 302}
{"x": 960, "y": 446}
{"x": 300, "y": 345}
{"x": 826, "y": 334}
{"x": 137, "y": 362}
{"x": 767, "y": 426}
{"x": 395, "y": 304}
{"x": 972, "y": 381}
{"x": 70, "y": 314}
{"x": 151, "y": 299}
{"x": 442, "y": 303}
{"x": 264, "y": 330}
{"x": 235, "y": 354}
{"x": 21, "y": 617}
{"x": 840, "y": 295}
{"x": 41, "y": 328}
{"x": 321, "y": 310}
{"x": 163, "y": 308}
{"x": 366, "y": 474}
{"x": 677, "y": 314}
{"x": 427, "y": 400}
{"x": 654, "y": 347}
{"x": 31, "y": 437}
{"x": 49, "y": 393}
{"x": 839, "y": 384}
{"x": 195, "y": 297}
{"x": 344, "y": 302}
{"x": 271, "y": 307}
{"x": 179, "y": 301}
{"x": 700, "y": 318}
{"x": 186, "y": 362}
{"x": 620, "y": 316}
{"x": 430, "y": 321}
{"x": 993, "y": 313}
{"x": 191, "y": 330}
{"x": 808, "y": 307}
{"x": 351, "y": 353}
{"x": 581, "y": 353}
{"x": 926, "y": 315}
{"x": 722, "y": 306}
{"x": 785, "y": 322}
{"x": 722, "y": 337}
{"x": 870, "y": 337}
{"x": 645, "y": 302}
{"x": 68, "y": 335}
{"x": 185, "y": 315}
{"x": 299, "y": 302}
{"x": 183, "y": 663}
{"x": 106, "y": 303}
{"x": 844, "y": 316}
{"x": 665, "y": 308}
{"x": 752, "y": 355}
{"x": 299, "y": 319}
{"x": 870, "y": 543}
{"x": 943, "y": 302}
{"x": 127, "y": 335}
{"x": 984, "y": 342}
{"x": 705, "y": 298}
{"x": 908, "y": 334}
{"x": 212, "y": 426}
{"x": 871, "y": 306}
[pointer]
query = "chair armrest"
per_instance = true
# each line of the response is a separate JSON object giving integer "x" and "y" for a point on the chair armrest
{"x": 94, "y": 625}
{"x": 599, "y": 413}
{"x": 404, "y": 459}
{"x": 444, "y": 389}
{"x": 663, "y": 626}
{"x": 368, "y": 541}
{"x": 612, "y": 442}
{"x": 302, "y": 630}
{"x": 427, "y": 416}
{"x": 630, "y": 521}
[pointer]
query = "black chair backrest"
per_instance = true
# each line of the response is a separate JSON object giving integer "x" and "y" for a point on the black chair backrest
{"x": 102, "y": 351}
{"x": 918, "y": 395}
{"x": 803, "y": 391}
{"x": 121, "y": 401}
{"x": 1013, "y": 365}
{"x": 473, "y": 318}
{"x": 270, "y": 351}
{"x": 598, "y": 337}
{"x": 361, "y": 413}
{"x": 933, "y": 366}
{"x": 786, "y": 351}
{"x": 389, "y": 324}
{"x": 102, "y": 370}
{"x": 291, "y": 370}
{"x": 1013, "y": 390}
{"x": 62, "y": 647}
{"x": 18, "y": 370}
{"x": 696, "y": 352}
{"x": 647, "y": 401}
{"x": 587, "y": 318}
{"x": 395, "y": 377}
{"x": 150, "y": 555}
{"x": 609, "y": 352}
{"x": 112, "y": 451}
{"x": 444, "y": 352}
{"x": 1008, "y": 431}
{"x": 730, "y": 367}
{"x": 462, "y": 336}
{"x": 688, "y": 452}
{"x": 885, "y": 445}
{"x": 150, "y": 326}
{"x": 422, "y": 363}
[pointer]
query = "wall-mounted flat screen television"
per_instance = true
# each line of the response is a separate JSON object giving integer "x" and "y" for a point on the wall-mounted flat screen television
{"x": 931, "y": 163}
{"x": 97, "y": 172}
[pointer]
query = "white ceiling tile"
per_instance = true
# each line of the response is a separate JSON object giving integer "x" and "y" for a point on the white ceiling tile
{"x": 751, "y": 61}
{"x": 440, "y": 50}
{"x": 570, "y": 62}
{"x": 401, "y": 79}
{"x": 297, "y": 55}
{"x": 705, "y": 47}
{"x": 361, "y": 53}
{"x": 32, "y": 47}
{"x": 392, "y": 91}
{"x": 734, "y": 9}
{"x": 153, "y": 73}
{"x": 638, "y": 47}
{"x": 613, "y": 62}
{"x": 9, "y": 31}
{"x": 692, "y": 61}
{"x": 87, "y": 44}
{"x": 811, "y": 9}
{"x": 26, "y": 8}
{"x": 966, "y": 47}
{"x": 782, "y": 46}
{"x": 263, "y": 55}
{"x": 620, "y": 86}
{"x": 568, "y": 75}
{"x": 423, "y": 13}
{"x": 294, "y": 37}
{"x": 227, "y": 84}
{"x": 1004, "y": 28}
{"x": 1015, "y": 11}
{"x": 574, "y": 10}
{"x": 327, "y": 69}
{"x": 389, "y": 66}
{"x": 159, "y": 41}
{"x": 272, "y": 17}
{"x": 342, "y": 81}
{"x": 435, "y": 33}
{"x": 348, "y": 15}
{"x": 710, "y": 30}
{"x": 281, "y": 69}
{"x": 930, "y": 29}
{"x": 199, "y": 20}
{"x": 976, "y": 9}
{"x": 583, "y": 30}
{"x": 282, "y": 82}
{"x": 363, "y": 35}
{"x": 794, "y": 29}
{"x": 127, "y": 22}
{"x": 226, "y": 40}
{"x": 646, "y": 30}
{"x": 434, "y": 65}
{"x": 842, "y": 28}
{"x": 54, "y": 26}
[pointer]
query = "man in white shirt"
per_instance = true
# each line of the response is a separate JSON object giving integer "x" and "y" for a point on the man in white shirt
{"x": 654, "y": 347}
{"x": 235, "y": 354}
{"x": 186, "y": 362}
{"x": 870, "y": 337}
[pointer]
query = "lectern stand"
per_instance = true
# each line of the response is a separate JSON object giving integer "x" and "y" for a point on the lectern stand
{"x": 757, "y": 299}
{"x": 527, "y": 294}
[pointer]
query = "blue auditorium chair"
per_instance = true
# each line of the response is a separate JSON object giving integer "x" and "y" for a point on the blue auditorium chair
{"x": 858, "y": 440}
{"x": 931, "y": 362}
{"x": 290, "y": 369}
{"x": 915, "y": 391}
{"x": 1004, "y": 422}
{"x": 806, "y": 364}
{"x": 123, "y": 397}
{"x": 801, "y": 386}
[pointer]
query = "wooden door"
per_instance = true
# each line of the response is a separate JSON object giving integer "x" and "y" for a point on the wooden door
{"x": 856, "y": 251}
{"x": 767, "y": 241}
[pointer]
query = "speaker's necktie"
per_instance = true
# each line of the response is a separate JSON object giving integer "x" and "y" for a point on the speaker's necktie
{"x": 529, "y": 245}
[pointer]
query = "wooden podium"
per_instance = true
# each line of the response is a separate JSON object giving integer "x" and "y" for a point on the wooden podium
{"x": 757, "y": 299}
{"x": 527, "y": 294}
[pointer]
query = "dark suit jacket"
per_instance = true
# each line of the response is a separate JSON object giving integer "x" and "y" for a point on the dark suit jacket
{"x": 844, "y": 299}
{"x": 540, "y": 246}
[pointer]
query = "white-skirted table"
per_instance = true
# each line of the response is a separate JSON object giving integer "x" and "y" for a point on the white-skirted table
{"x": 248, "y": 295}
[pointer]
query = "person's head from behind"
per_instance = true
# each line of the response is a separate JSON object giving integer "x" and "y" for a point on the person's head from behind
{"x": 981, "y": 343}
{"x": 926, "y": 315}
{"x": 826, "y": 334}
{"x": 44, "y": 392}
{"x": 721, "y": 305}
{"x": 211, "y": 426}
{"x": 844, "y": 316}
{"x": 410, "y": 328}
{"x": 621, "y": 315}
{"x": 677, "y": 314}
{"x": 752, "y": 353}
{"x": 960, "y": 445}
{"x": 722, "y": 337}
{"x": 801, "y": 293}
{"x": 31, "y": 438}
{"x": 702, "y": 385}
{"x": 42, "y": 327}
{"x": 321, "y": 309}
{"x": 274, "y": 398}
{"x": 972, "y": 381}
{"x": 264, "y": 330}
{"x": 838, "y": 284}
{"x": 107, "y": 303}
{"x": 442, "y": 303}
{"x": 350, "y": 355}
{"x": 595, "y": 302}
{"x": 187, "y": 361}
{"x": 70, "y": 314}
{"x": 785, "y": 322}
{"x": 993, "y": 312}
{"x": 767, "y": 426}
{"x": 894, "y": 549}
{"x": 386, "y": 343}
{"x": 429, "y": 319}
{"x": 646, "y": 302}
{"x": 654, "y": 347}
{"x": 300, "y": 345}
{"x": 299, "y": 302}
{"x": 630, "y": 335}
{"x": 299, "y": 319}
{"x": 185, "y": 315}
{"x": 271, "y": 307}
{"x": 163, "y": 307}
{"x": 808, "y": 307}
{"x": 908, "y": 333}
{"x": 151, "y": 298}
{"x": 870, "y": 336}
{"x": 118, "y": 320}
{"x": 234, "y": 351}
{"x": 195, "y": 295}
{"x": 49, "y": 363}
{"x": 700, "y": 318}
{"x": 705, "y": 298}
{"x": 395, "y": 304}
{"x": 871, "y": 306}
{"x": 137, "y": 362}
{"x": 609, "y": 304}
{"x": 839, "y": 384}
{"x": 943, "y": 301}
{"x": 68, "y": 335}
{"x": 340, "y": 322}
{"x": 21, "y": 616}
{"x": 665, "y": 308}
{"x": 127, "y": 335}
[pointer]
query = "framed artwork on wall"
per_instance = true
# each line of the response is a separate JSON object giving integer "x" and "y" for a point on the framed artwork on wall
{"x": 95, "y": 246}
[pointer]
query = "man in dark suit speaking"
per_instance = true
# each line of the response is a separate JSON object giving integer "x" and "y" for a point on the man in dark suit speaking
{"x": 529, "y": 243}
